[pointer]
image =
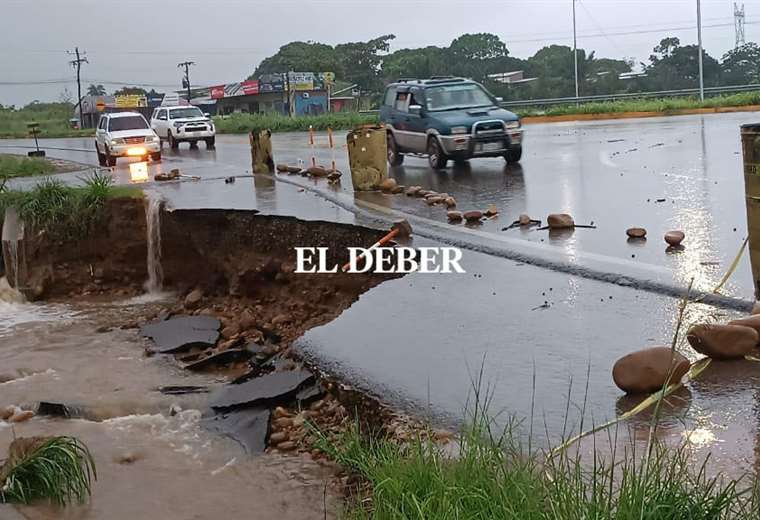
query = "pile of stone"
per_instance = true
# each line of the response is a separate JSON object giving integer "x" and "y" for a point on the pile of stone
{"x": 15, "y": 414}
{"x": 331, "y": 174}
{"x": 648, "y": 370}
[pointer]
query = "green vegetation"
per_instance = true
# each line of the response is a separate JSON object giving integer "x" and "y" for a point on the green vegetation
{"x": 53, "y": 119}
{"x": 60, "y": 469}
{"x": 493, "y": 476}
{"x": 664, "y": 105}
{"x": 65, "y": 211}
{"x": 18, "y": 166}
{"x": 242, "y": 123}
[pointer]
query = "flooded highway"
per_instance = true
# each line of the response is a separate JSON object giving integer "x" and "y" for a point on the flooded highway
{"x": 545, "y": 337}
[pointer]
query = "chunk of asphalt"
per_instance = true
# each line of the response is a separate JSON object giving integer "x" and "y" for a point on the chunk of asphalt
{"x": 182, "y": 333}
{"x": 180, "y": 390}
{"x": 309, "y": 393}
{"x": 265, "y": 390}
{"x": 247, "y": 426}
{"x": 219, "y": 358}
{"x": 59, "y": 410}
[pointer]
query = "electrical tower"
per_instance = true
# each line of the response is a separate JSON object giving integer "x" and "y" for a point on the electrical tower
{"x": 186, "y": 79}
{"x": 77, "y": 64}
{"x": 739, "y": 24}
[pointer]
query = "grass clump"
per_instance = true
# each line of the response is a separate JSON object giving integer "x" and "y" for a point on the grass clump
{"x": 65, "y": 211}
{"x": 494, "y": 477}
{"x": 60, "y": 469}
{"x": 17, "y": 166}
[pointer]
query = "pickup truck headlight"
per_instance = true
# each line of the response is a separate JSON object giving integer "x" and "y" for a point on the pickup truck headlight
{"x": 511, "y": 125}
{"x": 177, "y": 124}
{"x": 152, "y": 138}
{"x": 458, "y": 130}
{"x": 117, "y": 140}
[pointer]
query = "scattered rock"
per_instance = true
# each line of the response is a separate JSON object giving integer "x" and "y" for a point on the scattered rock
{"x": 491, "y": 210}
{"x": 193, "y": 298}
{"x": 674, "y": 238}
{"x": 230, "y": 330}
{"x": 281, "y": 412}
{"x": 524, "y": 220}
{"x": 219, "y": 358}
{"x": 282, "y": 168}
{"x": 286, "y": 446}
{"x": 646, "y": 371}
{"x": 388, "y": 184}
{"x": 294, "y": 169}
{"x": 283, "y": 422}
{"x": 278, "y": 437}
{"x": 723, "y": 341}
{"x": 636, "y": 232}
{"x": 472, "y": 216}
{"x": 422, "y": 193}
{"x": 21, "y": 416}
{"x": 752, "y": 322}
{"x": 454, "y": 216}
{"x": 450, "y": 202}
{"x": 411, "y": 191}
{"x": 431, "y": 201}
{"x": 280, "y": 319}
{"x": 317, "y": 171}
{"x": 560, "y": 221}
{"x": 397, "y": 190}
{"x": 127, "y": 458}
{"x": 8, "y": 412}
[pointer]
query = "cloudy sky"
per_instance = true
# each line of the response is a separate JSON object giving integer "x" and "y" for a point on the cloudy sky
{"x": 141, "y": 41}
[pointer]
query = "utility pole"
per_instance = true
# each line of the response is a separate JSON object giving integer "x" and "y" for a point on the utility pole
{"x": 699, "y": 41}
{"x": 186, "y": 81}
{"x": 77, "y": 64}
{"x": 739, "y": 25}
{"x": 575, "y": 53}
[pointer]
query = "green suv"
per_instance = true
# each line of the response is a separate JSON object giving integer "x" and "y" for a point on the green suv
{"x": 448, "y": 118}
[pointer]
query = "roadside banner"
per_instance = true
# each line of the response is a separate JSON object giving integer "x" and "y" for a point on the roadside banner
{"x": 216, "y": 92}
{"x": 301, "y": 80}
{"x": 131, "y": 101}
{"x": 250, "y": 87}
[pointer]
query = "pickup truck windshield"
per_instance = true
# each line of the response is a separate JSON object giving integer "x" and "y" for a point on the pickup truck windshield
{"x": 127, "y": 123}
{"x": 183, "y": 113}
{"x": 453, "y": 97}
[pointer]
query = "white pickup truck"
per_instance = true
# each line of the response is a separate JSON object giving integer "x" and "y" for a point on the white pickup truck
{"x": 183, "y": 124}
{"x": 125, "y": 134}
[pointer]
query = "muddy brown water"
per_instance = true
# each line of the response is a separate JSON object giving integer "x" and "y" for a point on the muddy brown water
{"x": 150, "y": 464}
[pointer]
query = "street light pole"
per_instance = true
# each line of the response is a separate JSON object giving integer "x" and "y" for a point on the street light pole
{"x": 699, "y": 41}
{"x": 575, "y": 53}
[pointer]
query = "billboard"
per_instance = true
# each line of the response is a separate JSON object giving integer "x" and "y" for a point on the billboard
{"x": 301, "y": 80}
{"x": 216, "y": 92}
{"x": 131, "y": 101}
{"x": 250, "y": 87}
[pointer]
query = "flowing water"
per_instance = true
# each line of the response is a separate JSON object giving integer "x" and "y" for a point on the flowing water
{"x": 153, "y": 219}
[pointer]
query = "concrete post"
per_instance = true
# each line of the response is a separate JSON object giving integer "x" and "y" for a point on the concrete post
{"x": 751, "y": 152}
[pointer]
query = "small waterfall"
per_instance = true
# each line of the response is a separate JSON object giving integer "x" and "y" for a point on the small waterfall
{"x": 12, "y": 232}
{"x": 153, "y": 218}
{"x": 9, "y": 254}
{"x": 8, "y": 294}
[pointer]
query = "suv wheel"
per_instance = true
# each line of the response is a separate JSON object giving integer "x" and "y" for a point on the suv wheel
{"x": 394, "y": 157}
{"x": 436, "y": 156}
{"x": 173, "y": 143}
{"x": 513, "y": 155}
{"x": 101, "y": 157}
{"x": 110, "y": 160}
{"x": 210, "y": 143}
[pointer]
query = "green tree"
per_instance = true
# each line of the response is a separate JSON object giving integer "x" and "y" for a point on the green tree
{"x": 126, "y": 91}
{"x": 96, "y": 90}
{"x": 300, "y": 57}
{"x": 665, "y": 49}
{"x": 741, "y": 65}
{"x": 417, "y": 63}
{"x": 360, "y": 62}
{"x": 678, "y": 67}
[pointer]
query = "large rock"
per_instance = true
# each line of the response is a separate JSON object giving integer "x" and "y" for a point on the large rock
{"x": 674, "y": 238}
{"x": 723, "y": 341}
{"x": 454, "y": 216}
{"x": 411, "y": 191}
{"x": 388, "y": 185}
{"x": 524, "y": 219}
{"x": 473, "y": 216}
{"x": 646, "y": 371}
{"x": 193, "y": 298}
{"x": 560, "y": 221}
{"x": 752, "y": 322}
{"x": 636, "y": 232}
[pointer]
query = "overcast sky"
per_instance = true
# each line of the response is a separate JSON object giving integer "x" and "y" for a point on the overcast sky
{"x": 141, "y": 41}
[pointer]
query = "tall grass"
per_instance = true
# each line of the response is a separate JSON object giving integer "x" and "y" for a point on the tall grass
{"x": 17, "y": 166}
{"x": 64, "y": 211}
{"x": 60, "y": 469}
{"x": 53, "y": 119}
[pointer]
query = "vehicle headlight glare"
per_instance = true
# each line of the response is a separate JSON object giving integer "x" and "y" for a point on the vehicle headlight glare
{"x": 456, "y": 130}
{"x": 513, "y": 124}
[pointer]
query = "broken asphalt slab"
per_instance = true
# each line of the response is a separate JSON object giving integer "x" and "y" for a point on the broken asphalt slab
{"x": 267, "y": 389}
{"x": 182, "y": 333}
{"x": 248, "y": 427}
{"x": 219, "y": 358}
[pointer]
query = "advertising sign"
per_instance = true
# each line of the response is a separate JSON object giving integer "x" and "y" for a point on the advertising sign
{"x": 250, "y": 87}
{"x": 131, "y": 101}
{"x": 216, "y": 92}
{"x": 301, "y": 80}
{"x": 272, "y": 83}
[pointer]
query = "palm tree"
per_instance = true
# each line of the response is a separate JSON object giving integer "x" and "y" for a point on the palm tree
{"x": 96, "y": 90}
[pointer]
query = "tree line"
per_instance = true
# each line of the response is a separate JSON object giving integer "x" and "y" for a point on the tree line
{"x": 370, "y": 66}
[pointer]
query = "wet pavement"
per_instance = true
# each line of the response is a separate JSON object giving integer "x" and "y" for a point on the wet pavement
{"x": 421, "y": 340}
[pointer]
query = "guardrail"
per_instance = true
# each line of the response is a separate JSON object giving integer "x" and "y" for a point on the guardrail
{"x": 709, "y": 91}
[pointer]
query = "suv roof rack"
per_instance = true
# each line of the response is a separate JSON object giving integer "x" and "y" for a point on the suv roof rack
{"x": 407, "y": 80}
{"x": 444, "y": 79}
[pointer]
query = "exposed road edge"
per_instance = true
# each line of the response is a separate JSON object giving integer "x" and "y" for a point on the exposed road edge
{"x": 634, "y": 115}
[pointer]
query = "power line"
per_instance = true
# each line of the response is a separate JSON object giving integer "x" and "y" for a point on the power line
{"x": 77, "y": 64}
{"x": 186, "y": 80}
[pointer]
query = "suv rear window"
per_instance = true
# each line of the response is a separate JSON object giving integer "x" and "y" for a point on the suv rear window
{"x": 452, "y": 97}
{"x": 127, "y": 123}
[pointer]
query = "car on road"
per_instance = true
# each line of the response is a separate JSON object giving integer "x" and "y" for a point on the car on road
{"x": 448, "y": 118}
{"x": 183, "y": 124}
{"x": 125, "y": 134}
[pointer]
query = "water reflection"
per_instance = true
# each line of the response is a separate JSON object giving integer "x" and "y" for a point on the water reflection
{"x": 138, "y": 172}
